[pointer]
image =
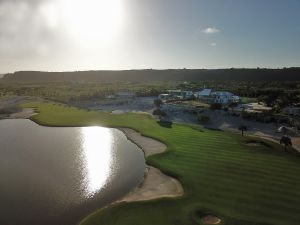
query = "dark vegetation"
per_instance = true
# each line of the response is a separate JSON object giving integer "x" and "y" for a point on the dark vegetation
{"x": 243, "y": 128}
{"x": 286, "y": 74}
{"x": 275, "y": 87}
{"x": 215, "y": 106}
{"x": 66, "y": 92}
{"x": 159, "y": 112}
{"x": 286, "y": 141}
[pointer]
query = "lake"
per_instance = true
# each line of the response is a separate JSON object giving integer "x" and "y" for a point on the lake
{"x": 58, "y": 175}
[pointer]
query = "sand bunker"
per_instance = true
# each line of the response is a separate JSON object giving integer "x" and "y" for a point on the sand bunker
{"x": 253, "y": 144}
{"x": 149, "y": 145}
{"x": 156, "y": 184}
{"x": 210, "y": 219}
{"x": 24, "y": 114}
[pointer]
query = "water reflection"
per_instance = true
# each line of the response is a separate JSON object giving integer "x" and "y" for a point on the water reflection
{"x": 97, "y": 158}
{"x": 58, "y": 175}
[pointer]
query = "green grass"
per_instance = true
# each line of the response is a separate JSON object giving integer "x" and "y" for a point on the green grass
{"x": 243, "y": 185}
{"x": 246, "y": 100}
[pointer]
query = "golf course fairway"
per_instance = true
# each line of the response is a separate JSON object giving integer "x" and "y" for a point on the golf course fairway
{"x": 220, "y": 174}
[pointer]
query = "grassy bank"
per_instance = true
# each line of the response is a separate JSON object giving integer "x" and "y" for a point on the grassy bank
{"x": 220, "y": 173}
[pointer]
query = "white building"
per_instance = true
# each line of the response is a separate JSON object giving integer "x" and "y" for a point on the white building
{"x": 205, "y": 95}
{"x": 164, "y": 97}
{"x": 225, "y": 97}
{"x": 188, "y": 94}
{"x": 236, "y": 99}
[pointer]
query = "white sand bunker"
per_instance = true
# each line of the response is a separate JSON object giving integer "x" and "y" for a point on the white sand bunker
{"x": 210, "y": 219}
{"x": 149, "y": 145}
{"x": 156, "y": 184}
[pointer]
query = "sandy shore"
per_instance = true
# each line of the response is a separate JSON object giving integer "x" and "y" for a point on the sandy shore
{"x": 276, "y": 139}
{"x": 296, "y": 143}
{"x": 24, "y": 114}
{"x": 155, "y": 184}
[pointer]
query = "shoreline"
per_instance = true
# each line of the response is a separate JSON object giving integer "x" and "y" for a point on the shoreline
{"x": 155, "y": 184}
{"x": 26, "y": 113}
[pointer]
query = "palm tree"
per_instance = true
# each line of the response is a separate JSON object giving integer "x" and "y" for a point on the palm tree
{"x": 243, "y": 128}
{"x": 286, "y": 141}
{"x": 232, "y": 105}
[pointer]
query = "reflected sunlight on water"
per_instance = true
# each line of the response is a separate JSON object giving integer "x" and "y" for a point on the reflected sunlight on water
{"x": 58, "y": 175}
{"x": 97, "y": 157}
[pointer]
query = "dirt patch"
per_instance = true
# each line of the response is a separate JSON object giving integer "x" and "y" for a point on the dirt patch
{"x": 210, "y": 219}
{"x": 24, "y": 114}
{"x": 155, "y": 184}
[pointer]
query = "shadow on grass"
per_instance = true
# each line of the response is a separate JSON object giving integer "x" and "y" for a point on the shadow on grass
{"x": 253, "y": 142}
{"x": 166, "y": 124}
{"x": 212, "y": 128}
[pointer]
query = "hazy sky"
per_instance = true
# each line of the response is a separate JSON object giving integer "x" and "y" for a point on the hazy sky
{"x": 59, "y": 35}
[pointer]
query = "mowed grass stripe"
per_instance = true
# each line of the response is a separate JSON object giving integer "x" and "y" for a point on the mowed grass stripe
{"x": 273, "y": 168}
{"x": 245, "y": 185}
{"x": 246, "y": 167}
{"x": 255, "y": 157}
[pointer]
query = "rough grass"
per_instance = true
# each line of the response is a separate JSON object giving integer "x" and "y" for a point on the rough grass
{"x": 221, "y": 175}
{"x": 247, "y": 100}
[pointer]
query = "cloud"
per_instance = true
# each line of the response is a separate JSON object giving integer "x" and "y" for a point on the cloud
{"x": 211, "y": 30}
{"x": 25, "y": 30}
{"x": 213, "y": 44}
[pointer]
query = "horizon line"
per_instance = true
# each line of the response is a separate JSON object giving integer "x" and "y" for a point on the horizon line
{"x": 158, "y": 69}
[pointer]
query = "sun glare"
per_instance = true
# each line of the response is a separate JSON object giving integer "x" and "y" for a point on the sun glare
{"x": 87, "y": 20}
{"x": 97, "y": 157}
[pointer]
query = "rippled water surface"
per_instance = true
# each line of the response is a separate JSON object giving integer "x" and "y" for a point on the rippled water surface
{"x": 58, "y": 175}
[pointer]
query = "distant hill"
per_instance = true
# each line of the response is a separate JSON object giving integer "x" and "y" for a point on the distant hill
{"x": 289, "y": 74}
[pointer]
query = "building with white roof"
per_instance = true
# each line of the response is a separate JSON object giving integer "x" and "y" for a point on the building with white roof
{"x": 221, "y": 97}
{"x": 205, "y": 95}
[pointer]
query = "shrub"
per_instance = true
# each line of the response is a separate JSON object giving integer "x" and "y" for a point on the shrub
{"x": 243, "y": 128}
{"x": 157, "y": 102}
{"x": 159, "y": 112}
{"x": 215, "y": 106}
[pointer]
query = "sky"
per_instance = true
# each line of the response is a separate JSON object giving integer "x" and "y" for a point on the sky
{"x": 68, "y": 35}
